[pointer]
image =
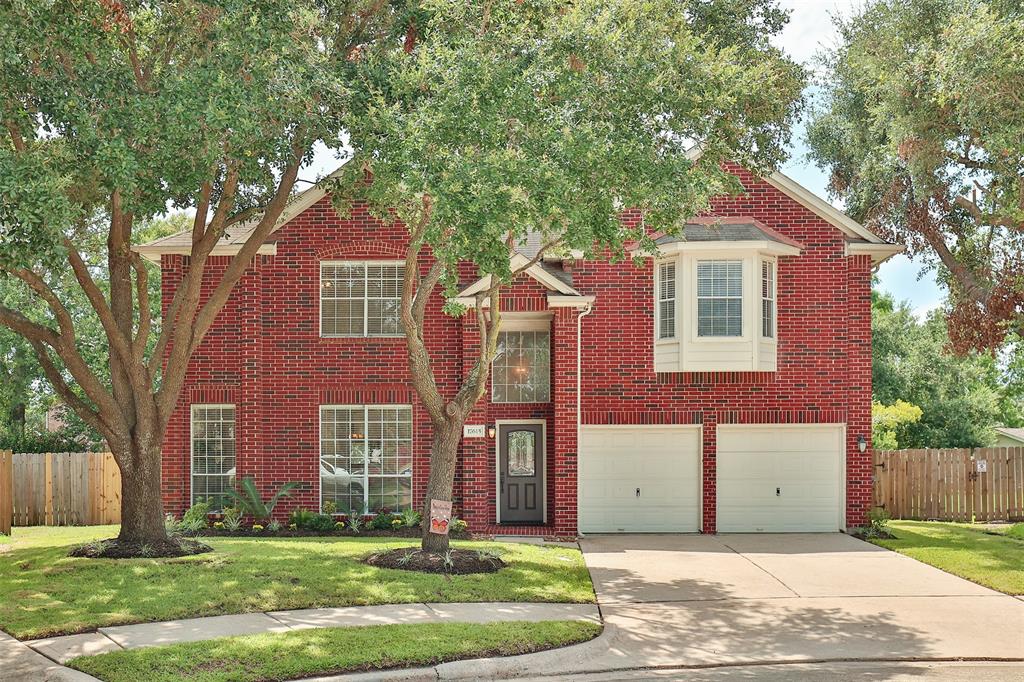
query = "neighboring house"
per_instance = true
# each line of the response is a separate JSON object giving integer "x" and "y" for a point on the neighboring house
{"x": 726, "y": 384}
{"x": 1009, "y": 438}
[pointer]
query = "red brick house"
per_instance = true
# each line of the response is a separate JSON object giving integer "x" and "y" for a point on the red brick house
{"x": 723, "y": 386}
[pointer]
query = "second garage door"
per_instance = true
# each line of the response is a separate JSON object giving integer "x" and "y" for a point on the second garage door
{"x": 780, "y": 478}
{"x": 639, "y": 479}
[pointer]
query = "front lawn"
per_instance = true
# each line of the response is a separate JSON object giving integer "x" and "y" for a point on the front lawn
{"x": 994, "y": 561}
{"x": 331, "y": 651}
{"x": 43, "y": 592}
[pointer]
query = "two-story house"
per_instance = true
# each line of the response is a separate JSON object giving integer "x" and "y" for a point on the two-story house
{"x": 725, "y": 385}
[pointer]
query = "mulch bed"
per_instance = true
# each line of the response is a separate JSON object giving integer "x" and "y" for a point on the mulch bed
{"x": 298, "y": 533}
{"x": 861, "y": 535}
{"x": 454, "y": 562}
{"x": 115, "y": 549}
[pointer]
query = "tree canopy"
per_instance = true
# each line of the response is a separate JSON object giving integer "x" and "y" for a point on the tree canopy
{"x": 922, "y": 130}
{"x": 962, "y": 397}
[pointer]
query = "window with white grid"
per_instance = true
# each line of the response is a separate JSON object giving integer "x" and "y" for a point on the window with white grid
{"x": 366, "y": 457}
{"x": 521, "y": 372}
{"x": 360, "y": 298}
{"x": 720, "y": 298}
{"x": 667, "y": 301}
{"x": 768, "y": 299}
{"x": 213, "y": 453}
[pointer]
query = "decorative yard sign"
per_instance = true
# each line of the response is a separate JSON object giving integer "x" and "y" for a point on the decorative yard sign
{"x": 981, "y": 465}
{"x": 473, "y": 431}
{"x": 440, "y": 516}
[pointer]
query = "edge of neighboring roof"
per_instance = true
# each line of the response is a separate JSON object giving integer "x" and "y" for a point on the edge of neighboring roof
{"x": 1011, "y": 432}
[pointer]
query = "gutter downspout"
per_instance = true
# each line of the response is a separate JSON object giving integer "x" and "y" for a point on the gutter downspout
{"x": 579, "y": 386}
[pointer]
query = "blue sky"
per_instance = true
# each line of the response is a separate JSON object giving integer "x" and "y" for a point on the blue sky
{"x": 809, "y": 31}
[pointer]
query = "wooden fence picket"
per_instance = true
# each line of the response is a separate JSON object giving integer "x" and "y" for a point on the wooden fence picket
{"x": 60, "y": 489}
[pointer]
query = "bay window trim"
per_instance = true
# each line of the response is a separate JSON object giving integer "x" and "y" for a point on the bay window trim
{"x": 744, "y": 260}
{"x": 658, "y": 300}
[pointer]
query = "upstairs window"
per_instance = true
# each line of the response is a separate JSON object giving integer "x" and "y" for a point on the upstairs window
{"x": 360, "y": 298}
{"x": 720, "y": 298}
{"x": 768, "y": 299}
{"x": 521, "y": 372}
{"x": 667, "y": 301}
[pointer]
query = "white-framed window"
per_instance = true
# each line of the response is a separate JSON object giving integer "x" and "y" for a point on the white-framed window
{"x": 213, "y": 452}
{"x": 768, "y": 299}
{"x": 667, "y": 301}
{"x": 360, "y": 298}
{"x": 521, "y": 371}
{"x": 720, "y": 298}
{"x": 366, "y": 457}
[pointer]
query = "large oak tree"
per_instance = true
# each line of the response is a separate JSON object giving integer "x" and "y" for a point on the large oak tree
{"x": 114, "y": 111}
{"x": 505, "y": 118}
{"x": 923, "y": 132}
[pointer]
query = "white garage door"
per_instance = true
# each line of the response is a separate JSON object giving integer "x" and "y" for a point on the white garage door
{"x": 639, "y": 479}
{"x": 780, "y": 479}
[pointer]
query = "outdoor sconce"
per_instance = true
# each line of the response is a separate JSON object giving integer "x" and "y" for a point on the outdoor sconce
{"x": 490, "y": 431}
{"x": 862, "y": 444}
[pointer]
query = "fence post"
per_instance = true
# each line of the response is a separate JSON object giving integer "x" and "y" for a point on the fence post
{"x": 6, "y": 491}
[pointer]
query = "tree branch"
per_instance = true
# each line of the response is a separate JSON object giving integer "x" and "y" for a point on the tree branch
{"x": 89, "y": 415}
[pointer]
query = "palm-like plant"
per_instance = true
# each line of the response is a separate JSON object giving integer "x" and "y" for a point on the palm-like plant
{"x": 248, "y": 499}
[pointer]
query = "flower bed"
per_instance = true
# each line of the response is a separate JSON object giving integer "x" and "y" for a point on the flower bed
{"x": 403, "y": 532}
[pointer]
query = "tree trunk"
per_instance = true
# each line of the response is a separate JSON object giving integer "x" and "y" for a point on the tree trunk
{"x": 443, "y": 454}
{"x": 142, "y": 507}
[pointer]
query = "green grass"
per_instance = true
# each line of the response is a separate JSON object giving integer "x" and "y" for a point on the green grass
{"x": 1016, "y": 531}
{"x": 43, "y": 592}
{"x": 329, "y": 651}
{"x": 994, "y": 561}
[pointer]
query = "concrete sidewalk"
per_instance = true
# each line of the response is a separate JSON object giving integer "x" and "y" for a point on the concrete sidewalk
{"x": 20, "y": 663}
{"x": 63, "y": 649}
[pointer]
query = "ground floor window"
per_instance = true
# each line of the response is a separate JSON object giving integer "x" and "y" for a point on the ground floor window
{"x": 366, "y": 457}
{"x": 213, "y": 453}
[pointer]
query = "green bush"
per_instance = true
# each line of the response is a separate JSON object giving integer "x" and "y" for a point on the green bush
{"x": 197, "y": 512}
{"x": 383, "y": 521}
{"x": 411, "y": 518}
{"x": 232, "y": 519}
{"x": 320, "y": 523}
{"x": 457, "y": 525}
{"x": 301, "y": 518}
{"x": 878, "y": 522}
{"x": 247, "y": 498}
{"x": 329, "y": 507}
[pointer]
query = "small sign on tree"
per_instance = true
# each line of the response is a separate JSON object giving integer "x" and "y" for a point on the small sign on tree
{"x": 440, "y": 516}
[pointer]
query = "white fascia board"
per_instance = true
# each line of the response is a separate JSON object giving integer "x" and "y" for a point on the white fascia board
{"x": 152, "y": 254}
{"x": 879, "y": 252}
{"x": 819, "y": 206}
{"x": 557, "y": 301}
{"x": 516, "y": 261}
{"x": 761, "y": 246}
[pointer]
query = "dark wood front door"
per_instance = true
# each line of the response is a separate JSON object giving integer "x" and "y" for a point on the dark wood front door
{"x": 521, "y": 473}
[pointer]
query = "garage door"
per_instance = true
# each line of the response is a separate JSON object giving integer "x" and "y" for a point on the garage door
{"x": 780, "y": 479}
{"x": 639, "y": 479}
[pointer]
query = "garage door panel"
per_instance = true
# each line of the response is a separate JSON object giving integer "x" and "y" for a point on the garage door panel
{"x": 662, "y": 461}
{"x": 779, "y": 478}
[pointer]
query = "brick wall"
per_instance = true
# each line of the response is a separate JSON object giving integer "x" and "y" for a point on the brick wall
{"x": 265, "y": 355}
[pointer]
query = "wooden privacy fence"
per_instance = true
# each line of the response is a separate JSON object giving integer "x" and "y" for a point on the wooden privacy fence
{"x": 984, "y": 484}
{"x": 62, "y": 489}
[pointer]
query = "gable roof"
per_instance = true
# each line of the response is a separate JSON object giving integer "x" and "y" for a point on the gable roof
{"x": 1013, "y": 434}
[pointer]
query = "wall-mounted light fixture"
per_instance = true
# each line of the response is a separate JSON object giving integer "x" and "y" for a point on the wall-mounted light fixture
{"x": 862, "y": 443}
{"x": 491, "y": 431}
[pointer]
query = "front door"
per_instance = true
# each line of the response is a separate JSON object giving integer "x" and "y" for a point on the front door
{"x": 521, "y": 473}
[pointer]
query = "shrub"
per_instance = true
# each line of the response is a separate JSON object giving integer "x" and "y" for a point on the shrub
{"x": 878, "y": 522}
{"x": 247, "y": 498}
{"x": 329, "y": 507}
{"x": 411, "y": 518}
{"x": 197, "y": 512}
{"x": 300, "y": 518}
{"x": 171, "y": 524}
{"x": 383, "y": 521}
{"x": 192, "y": 526}
{"x": 321, "y": 523}
{"x": 458, "y": 525}
{"x": 233, "y": 519}
{"x": 256, "y": 528}
{"x": 354, "y": 522}
{"x": 274, "y": 527}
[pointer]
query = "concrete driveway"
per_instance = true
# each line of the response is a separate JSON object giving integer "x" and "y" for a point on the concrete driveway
{"x": 688, "y": 600}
